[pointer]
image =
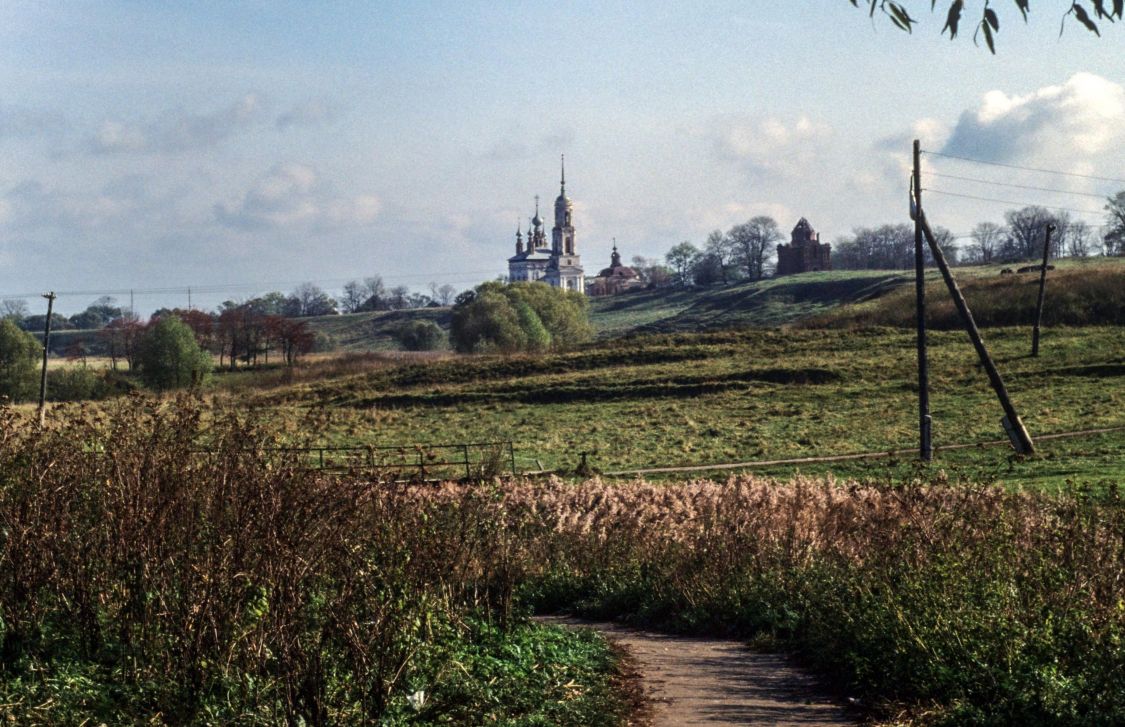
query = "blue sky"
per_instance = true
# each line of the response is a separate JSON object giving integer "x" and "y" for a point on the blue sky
{"x": 244, "y": 147}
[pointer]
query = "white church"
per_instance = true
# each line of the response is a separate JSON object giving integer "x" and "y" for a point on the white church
{"x": 557, "y": 264}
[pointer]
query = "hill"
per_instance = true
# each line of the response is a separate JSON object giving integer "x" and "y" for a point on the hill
{"x": 1079, "y": 293}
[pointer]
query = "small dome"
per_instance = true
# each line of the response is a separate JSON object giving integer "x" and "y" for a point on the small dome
{"x": 537, "y": 220}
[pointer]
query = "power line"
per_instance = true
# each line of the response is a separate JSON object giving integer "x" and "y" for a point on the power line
{"x": 1008, "y": 201}
{"x": 460, "y": 277}
{"x": 1025, "y": 169}
{"x": 1016, "y": 186}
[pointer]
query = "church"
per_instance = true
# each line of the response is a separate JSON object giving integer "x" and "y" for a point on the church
{"x": 557, "y": 264}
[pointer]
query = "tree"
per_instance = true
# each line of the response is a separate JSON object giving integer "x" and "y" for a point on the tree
{"x": 97, "y": 314}
{"x": 1114, "y": 239}
{"x": 121, "y": 336}
{"x": 1079, "y": 240}
{"x": 420, "y": 336}
{"x": 398, "y": 297}
{"x": 681, "y": 258}
{"x": 1026, "y": 228}
{"x": 753, "y": 243}
{"x": 443, "y": 294}
{"x": 876, "y": 248}
{"x": 170, "y": 358}
{"x": 721, "y": 248}
{"x": 309, "y": 300}
{"x": 651, "y": 271}
{"x": 1083, "y": 11}
{"x": 506, "y": 318}
{"x": 987, "y": 237}
{"x": 14, "y": 310}
{"x": 352, "y": 297}
{"x": 18, "y": 353}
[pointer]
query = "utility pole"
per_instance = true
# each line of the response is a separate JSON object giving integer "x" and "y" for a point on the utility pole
{"x": 189, "y": 298}
{"x": 1021, "y": 440}
{"x": 925, "y": 443}
{"x": 46, "y": 347}
{"x": 1042, "y": 291}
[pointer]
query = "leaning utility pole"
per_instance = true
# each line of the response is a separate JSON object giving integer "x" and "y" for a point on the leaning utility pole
{"x": 46, "y": 344}
{"x": 1042, "y": 291}
{"x": 1021, "y": 440}
{"x": 925, "y": 445}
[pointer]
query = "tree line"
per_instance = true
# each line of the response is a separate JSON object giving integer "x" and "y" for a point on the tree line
{"x": 747, "y": 251}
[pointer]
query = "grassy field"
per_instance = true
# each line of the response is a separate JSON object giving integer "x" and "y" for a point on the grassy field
{"x": 699, "y": 399}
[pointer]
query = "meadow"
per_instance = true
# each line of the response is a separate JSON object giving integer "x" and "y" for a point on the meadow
{"x": 171, "y": 561}
{"x": 693, "y": 400}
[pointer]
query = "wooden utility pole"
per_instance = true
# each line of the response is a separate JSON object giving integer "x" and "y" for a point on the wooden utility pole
{"x": 46, "y": 347}
{"x": 1042, "y": 291}
{"x": 925, "y": 444}
{"x": 1021, "y": 440}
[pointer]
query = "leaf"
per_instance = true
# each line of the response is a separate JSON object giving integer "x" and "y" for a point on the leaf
{"x": 1118, "y": 7}
{"x": 1084, "y": 18}
{"x": 900, "y": 17}
{"x": 953, "y": 18}
{"x": 991, "y": 19}
{"x": 988, "y": 37}
{"x": 1022, "y": 4}
{"x": 1099, "y": 9}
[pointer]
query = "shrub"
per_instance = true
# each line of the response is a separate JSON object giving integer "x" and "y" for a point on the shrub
{"x": 519, "y": 317}
{"x": 77, "y": 383}
{"x": 420, "y": 336}
{"x": 170, "y": 357}
{"x": 18, "y": 352}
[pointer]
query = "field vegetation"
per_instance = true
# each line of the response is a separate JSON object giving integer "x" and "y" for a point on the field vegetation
{"x": 735, "y": 396}
{"x": 160, "y": 564}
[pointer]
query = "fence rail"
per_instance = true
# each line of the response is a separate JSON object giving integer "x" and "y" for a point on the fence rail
{"x": 472, "y": 460}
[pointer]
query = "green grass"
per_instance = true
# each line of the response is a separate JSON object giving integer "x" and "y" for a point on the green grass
{"x": 373, "y": 331}
{"x": 697, "y": 399}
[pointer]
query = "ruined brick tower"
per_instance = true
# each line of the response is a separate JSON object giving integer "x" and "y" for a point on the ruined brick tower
{"x": 804, "y": 253}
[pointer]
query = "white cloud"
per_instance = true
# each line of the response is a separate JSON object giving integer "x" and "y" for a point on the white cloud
{"x": 770, "y": 147}
{"x": 176, "y": 130}
{"x": 310, "y": 113}
{"x": 1064, "y": 125}
{"x": 292, "y": 195}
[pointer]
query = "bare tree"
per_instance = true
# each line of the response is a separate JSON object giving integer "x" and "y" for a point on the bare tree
{"x": 1079, "y": 242}
{"x": 720, "y": 248}
{"x": 443, "y": 294}
{"x": 14, "y": 309}
{"x": 987, "y": 237}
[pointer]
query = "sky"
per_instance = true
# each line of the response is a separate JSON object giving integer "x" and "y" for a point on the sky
{"x": 240, "y": 147}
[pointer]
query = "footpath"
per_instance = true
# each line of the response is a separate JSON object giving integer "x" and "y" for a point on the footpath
{"x": 709, "y": 682}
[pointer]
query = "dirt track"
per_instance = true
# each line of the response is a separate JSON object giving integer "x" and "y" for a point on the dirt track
{"x": 712, "y": 682}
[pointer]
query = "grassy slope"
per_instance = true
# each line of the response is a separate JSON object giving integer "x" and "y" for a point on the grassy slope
{"x": 693, "y": 399}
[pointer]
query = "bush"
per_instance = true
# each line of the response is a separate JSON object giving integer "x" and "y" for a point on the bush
{"x": 170, "y": 357}
{"x": 77, "y": 383}
{"x": 519, "y": 317}
{"x": 420, "y": 336}
{"x": 18, "y": 353}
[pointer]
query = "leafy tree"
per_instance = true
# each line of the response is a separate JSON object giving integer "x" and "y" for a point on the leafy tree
{"x": 753, "y": 243}
{"x": 38, "y": 322}
{"x": 681, "y": 258}
{"x": 18, "y": 353}
{"x": 421, "y": 336}
{"x": 1115, "y": 225}
{"x": 1085, "y": 12}
{"x": 651, "y": 271}
{"x": 519, "y": 317}
{"x": 97, "y": 314}
{"x": 121, "y": 337}
{"x": 170, "y": 358}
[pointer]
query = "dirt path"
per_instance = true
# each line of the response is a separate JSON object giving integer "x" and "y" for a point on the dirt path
{"x": 712, "y": 682}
